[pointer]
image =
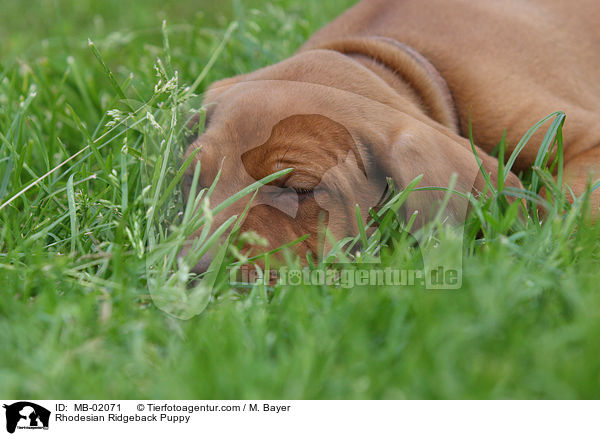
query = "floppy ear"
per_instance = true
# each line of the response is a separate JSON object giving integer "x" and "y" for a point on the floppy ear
{"x": 417, "y": 148}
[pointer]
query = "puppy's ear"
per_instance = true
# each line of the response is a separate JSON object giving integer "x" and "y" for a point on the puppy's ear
{"x": 417, "y": 148}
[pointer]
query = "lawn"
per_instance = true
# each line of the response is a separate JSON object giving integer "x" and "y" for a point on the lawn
{"x": 87, "y": 205}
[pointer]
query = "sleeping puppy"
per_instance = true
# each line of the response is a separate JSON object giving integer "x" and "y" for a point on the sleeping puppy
{"x": 387, "y": 91}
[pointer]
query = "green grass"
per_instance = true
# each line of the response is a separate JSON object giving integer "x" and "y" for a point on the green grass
{"x": 80, "y": 251}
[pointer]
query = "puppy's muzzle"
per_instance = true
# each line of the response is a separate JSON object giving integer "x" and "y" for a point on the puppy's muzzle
{"x": 203, "y": 264}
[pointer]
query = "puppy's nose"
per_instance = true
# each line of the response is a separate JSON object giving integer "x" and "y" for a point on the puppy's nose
{"x": 202, "y": 265}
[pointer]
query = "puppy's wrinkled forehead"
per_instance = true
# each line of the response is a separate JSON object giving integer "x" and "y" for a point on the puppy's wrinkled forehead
{"x": 248, "y": 112}
{"x": 254, "y": 122}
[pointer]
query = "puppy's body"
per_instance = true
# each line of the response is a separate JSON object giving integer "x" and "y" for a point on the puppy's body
{"x": 387, "y": 90}
{"x": 507, "y": 63}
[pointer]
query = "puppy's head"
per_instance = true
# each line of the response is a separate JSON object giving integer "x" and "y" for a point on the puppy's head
{"x": 342, "y": 130}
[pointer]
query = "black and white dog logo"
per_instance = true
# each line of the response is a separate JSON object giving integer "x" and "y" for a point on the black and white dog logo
{"x": 26, "y": 415}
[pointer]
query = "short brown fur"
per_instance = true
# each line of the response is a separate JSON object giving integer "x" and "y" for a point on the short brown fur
{"x": 387, "y": 90}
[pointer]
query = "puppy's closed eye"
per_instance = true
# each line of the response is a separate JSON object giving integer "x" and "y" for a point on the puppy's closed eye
{"x": 303, "y": 193}
{"x": 291, "y": 192}
{"x": 290, "y": 199}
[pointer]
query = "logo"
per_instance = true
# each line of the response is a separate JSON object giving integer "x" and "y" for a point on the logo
{"x": 26, "y": 415}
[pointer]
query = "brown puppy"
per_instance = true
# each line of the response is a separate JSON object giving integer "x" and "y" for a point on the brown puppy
{"x": 386, "y": 90}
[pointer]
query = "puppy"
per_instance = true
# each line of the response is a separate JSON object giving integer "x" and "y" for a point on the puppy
{"x": 387, "y": 91}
